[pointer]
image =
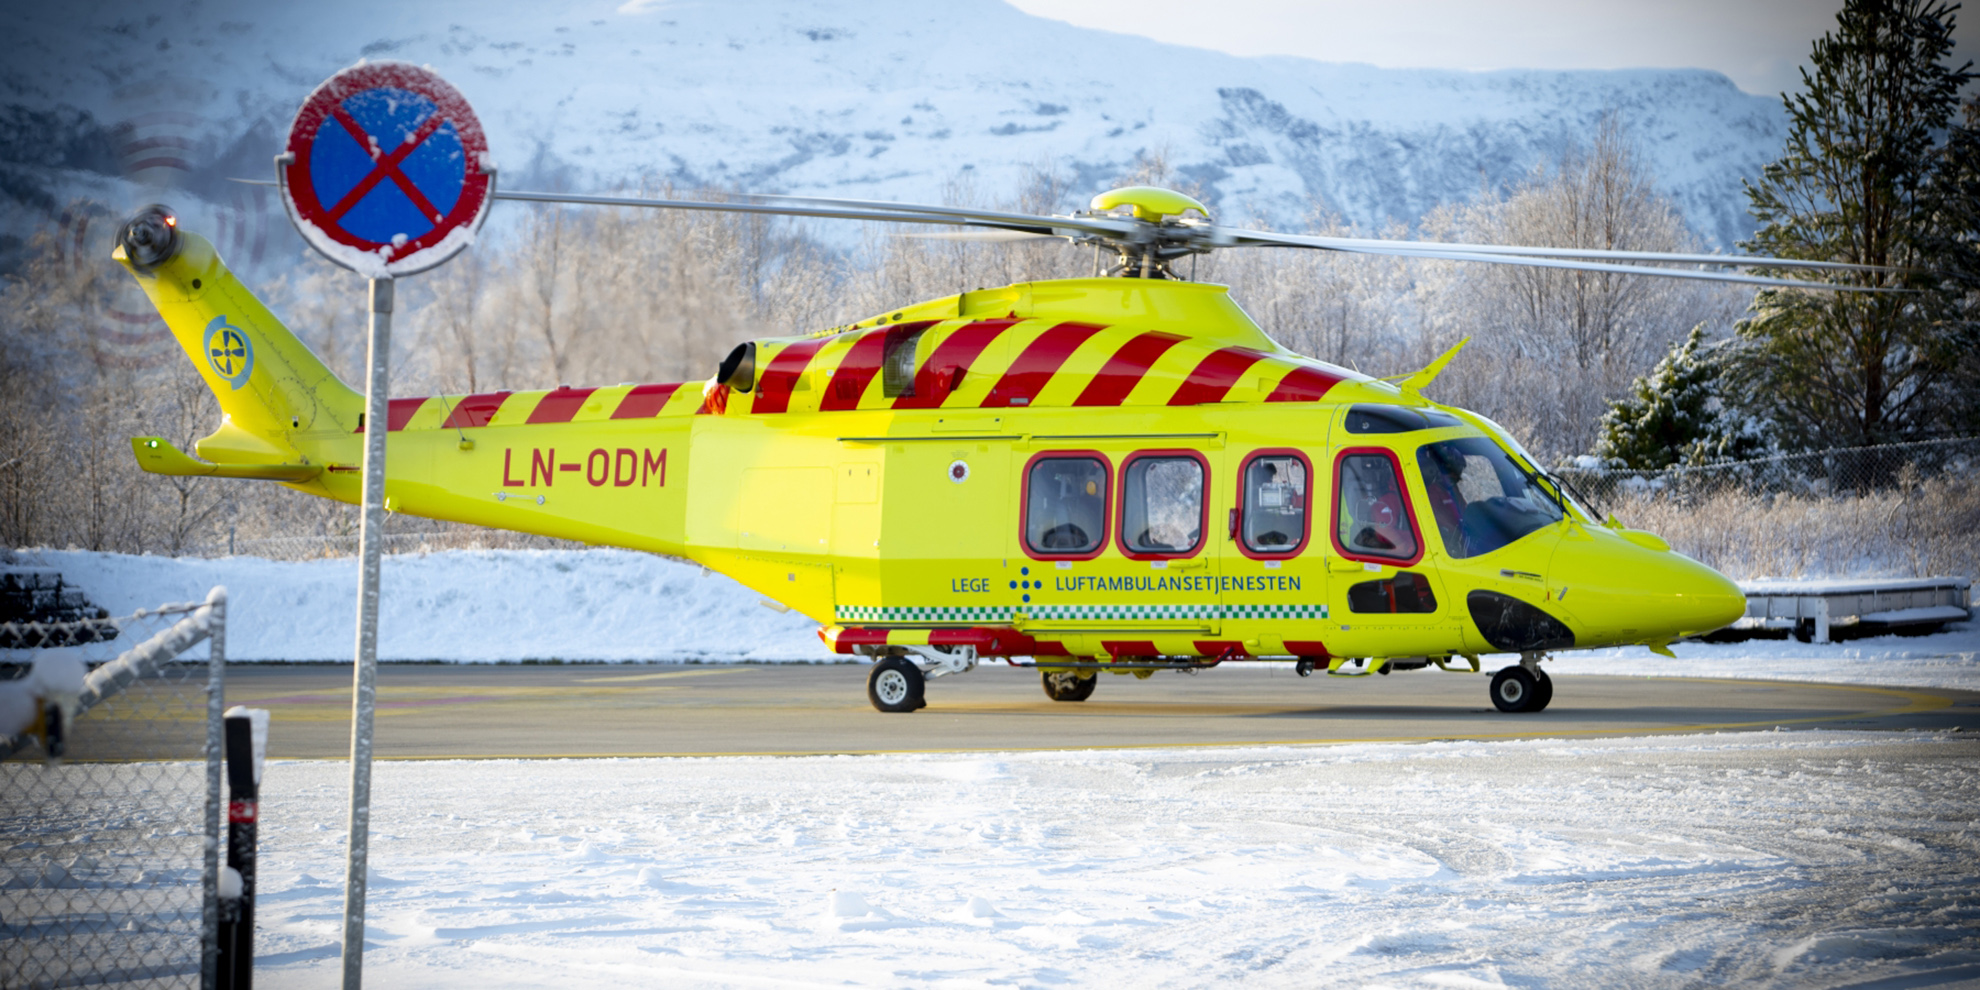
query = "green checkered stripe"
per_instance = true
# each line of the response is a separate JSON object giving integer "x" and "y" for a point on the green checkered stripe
{"x": 1275, "y": 611}
{"x": 932, "y": 613}
{"x": 1063, "y": 612}
{"x": 886, "y": 613}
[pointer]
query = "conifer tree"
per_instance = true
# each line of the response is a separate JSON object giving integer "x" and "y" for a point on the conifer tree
{"x": 1954, "y": 247}
{"x": 1677, "y": 413}
{"x": 1855, "y": 185}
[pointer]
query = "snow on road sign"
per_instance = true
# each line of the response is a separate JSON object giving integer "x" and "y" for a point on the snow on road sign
{"x": 386, "y": 170}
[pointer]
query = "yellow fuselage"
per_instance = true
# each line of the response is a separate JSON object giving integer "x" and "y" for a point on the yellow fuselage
{"x": 881, "y": 480}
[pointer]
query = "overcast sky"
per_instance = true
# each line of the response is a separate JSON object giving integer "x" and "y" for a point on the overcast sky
{"x": 1758, "y": 43}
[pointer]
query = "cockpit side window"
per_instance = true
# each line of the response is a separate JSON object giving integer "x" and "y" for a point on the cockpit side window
{"x": 1276, "y": 499}
{"x": 1372, "y": 517}
{"x": 1480, "y": 497}
{"x": 1065, "y": 505}
{"x": 1162, "y": 506}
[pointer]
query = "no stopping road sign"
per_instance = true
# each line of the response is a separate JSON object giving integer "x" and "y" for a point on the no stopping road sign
{"x": 386, "y": 170}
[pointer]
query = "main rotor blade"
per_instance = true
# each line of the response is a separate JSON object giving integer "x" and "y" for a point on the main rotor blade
{"x": 1579, "y": 266}
{"x": 984, "y": 235}
{"x": 1092, "y": 225}
{"x": 727, "y": 207}
{"x": 1578, "y": 254}
{"x": 787, "y": 211}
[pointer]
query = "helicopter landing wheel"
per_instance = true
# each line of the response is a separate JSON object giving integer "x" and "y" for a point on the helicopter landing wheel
{"x": 896, "y": 685}
{"x": 1543, "y": 691}
{"x": 1068, "y": 685}
{"x": 1515, "y": 689}
{"x": 1306, "y": 666}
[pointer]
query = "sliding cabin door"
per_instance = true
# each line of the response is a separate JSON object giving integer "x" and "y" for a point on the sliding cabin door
{"x": 1114, "y": 551}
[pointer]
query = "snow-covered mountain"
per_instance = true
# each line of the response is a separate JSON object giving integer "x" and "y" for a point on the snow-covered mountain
{"x": 870, "y": 98}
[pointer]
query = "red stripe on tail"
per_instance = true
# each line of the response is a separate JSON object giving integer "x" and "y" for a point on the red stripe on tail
{"x": 398, "y": 412}
{"x": 472, "y": 410}
{"x": 560, "y": 406}
{"x": 645, "y": 401}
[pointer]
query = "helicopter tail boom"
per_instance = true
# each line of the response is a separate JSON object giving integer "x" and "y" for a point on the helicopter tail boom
{"x": 284, "y": 414}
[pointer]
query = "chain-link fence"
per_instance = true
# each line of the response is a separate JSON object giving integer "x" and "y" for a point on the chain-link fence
{"x": 1909, "y": 509}
{"x": 425, "y": 540}
{"x": 110, "y": 753}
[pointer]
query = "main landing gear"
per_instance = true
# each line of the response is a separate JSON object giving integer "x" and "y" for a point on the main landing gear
{"x": 1523, "y": 687}
{"x": 1068, "y": 685}
{"x": 898, "y": 681}
{"x": 895, "y": 684}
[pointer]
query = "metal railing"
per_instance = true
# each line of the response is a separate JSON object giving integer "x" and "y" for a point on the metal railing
{"x": 110, "y": 799}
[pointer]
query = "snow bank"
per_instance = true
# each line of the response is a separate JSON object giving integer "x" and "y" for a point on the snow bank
{"x": 461, "y": 605}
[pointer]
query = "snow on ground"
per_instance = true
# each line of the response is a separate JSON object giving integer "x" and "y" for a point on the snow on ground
{"x": 509, "y": 605}
{"x": 1776, "y": 859}
{"x": 1784, "y": 859}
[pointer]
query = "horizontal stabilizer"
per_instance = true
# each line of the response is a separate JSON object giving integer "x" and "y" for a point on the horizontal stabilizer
{"x": 158, "y": 456}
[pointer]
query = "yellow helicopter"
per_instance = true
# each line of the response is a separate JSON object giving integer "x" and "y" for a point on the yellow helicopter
{"x": 1121, "y": 473}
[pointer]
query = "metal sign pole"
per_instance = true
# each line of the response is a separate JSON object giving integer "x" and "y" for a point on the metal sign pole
{"x": 363, "y": 679}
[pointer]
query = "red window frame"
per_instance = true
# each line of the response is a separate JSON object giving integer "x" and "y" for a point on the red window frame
{"x": 1312, "y": 480}
{"x": 1120, "y": 505}
{"x": 1024, "y": 506}
{"x": 1402, "y": 490}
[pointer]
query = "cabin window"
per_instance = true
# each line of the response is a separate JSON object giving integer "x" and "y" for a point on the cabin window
{"x": 1368, "y": 418}
{"x": 1481, "y": 498}
{"x": 1275, "y": 504}
{"x": 1162, "y": 505}
{"x": 1406, "y": 592}
{"x": 1065, "y": 506}
{"x": 1372, "y": 518}
{"x": 897, "y": 362}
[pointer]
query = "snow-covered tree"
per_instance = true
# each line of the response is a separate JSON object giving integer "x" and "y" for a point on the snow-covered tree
{"x": 1677, "y": 414}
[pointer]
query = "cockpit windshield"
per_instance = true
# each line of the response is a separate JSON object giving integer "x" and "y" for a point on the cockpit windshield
{"x": 1481, "y": 497}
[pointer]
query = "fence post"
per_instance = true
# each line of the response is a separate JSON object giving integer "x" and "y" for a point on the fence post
{"x": 216, "y": 673}
{"x": 247, "y": 744}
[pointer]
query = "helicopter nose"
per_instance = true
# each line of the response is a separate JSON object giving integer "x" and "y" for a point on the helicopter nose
{"x": 1634, "y": 589}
